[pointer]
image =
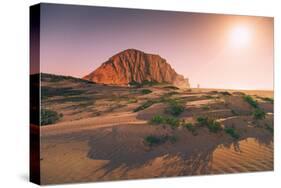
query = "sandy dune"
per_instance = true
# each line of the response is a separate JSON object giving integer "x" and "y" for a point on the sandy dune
{"x": 118, "y": 152}
{"x": 101, "y": 135}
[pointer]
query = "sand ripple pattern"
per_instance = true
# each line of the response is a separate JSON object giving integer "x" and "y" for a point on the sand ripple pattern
{"x": 118, "y": 152}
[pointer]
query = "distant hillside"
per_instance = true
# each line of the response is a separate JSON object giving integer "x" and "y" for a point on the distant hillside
{"x": 56, "y": 78}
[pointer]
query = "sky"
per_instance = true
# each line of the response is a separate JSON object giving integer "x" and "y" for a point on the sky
{"x": 213, "y": 50}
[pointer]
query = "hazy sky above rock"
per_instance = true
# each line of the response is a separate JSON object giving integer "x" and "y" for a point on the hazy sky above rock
{"x": 213, "y": 50}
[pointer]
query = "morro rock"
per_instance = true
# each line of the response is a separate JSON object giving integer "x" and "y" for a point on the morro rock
{"x": 136, "y": 66}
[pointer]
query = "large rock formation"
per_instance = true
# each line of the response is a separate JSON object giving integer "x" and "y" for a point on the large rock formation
{"x": 136, "y": 66}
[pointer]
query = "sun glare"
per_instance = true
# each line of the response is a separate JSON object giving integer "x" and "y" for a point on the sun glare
{"x": 240, "y": 36}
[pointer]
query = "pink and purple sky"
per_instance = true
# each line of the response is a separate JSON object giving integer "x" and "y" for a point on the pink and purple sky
{"x": 213, "y": 50}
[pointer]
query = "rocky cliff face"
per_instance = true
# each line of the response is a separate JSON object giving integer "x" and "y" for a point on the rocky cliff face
{"x": 136, "y": 66}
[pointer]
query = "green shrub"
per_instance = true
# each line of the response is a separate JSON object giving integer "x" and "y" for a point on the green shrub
{"x": 144, "y": 105}
{"x": 166, "y": 97}
{"x": 158, "y": 119}
{"x": 153, "y": 140}
{"x": 225, "y": 93}
{"x": 49, "y": 117}
{"x": 251, "y": 101}
{"x": 135, "y": 84}
{"x": 259, "y": 114}
{"x": 172, "y": 121}
{"x": 202, "y": 121}
{"x": 175, "y": 108}
{"x": 146, "y": 91}
{"x": 213, "y": 125}
{"x": 149, "y": 83}
{"x": 232, "y": 132}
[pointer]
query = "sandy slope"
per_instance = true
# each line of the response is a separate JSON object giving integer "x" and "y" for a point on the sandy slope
{"x": 92, "y": 123}
{"x": 118, "y": 152}
{"x": 104, "y": 139}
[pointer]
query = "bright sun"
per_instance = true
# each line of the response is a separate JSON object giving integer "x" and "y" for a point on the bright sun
{"x": 240, "y": 36}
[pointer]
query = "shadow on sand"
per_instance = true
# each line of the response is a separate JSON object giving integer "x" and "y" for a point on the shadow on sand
{"x": 124, "y": 149}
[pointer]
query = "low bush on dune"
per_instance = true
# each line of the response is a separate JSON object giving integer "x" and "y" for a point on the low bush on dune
{"x": 226, "y": 93}
{"x": 149, "y": 83}
{"x": 153, "y": 140}
{"x": 202, "y": 121}
{"x": 172, "y": 121}
{"x": 49, "y": 117}
{"x": 143, "y": 84}
{"x": 134, "y": 84}
{"x": 232, "y": 132}
{"x": 165, "y": 98}
{"x": 213, "y": 125}
{"x": 175, "y": 107}
{"x": 251, "y": 101}
{"x": 145, "y": 91}
{"x": 144, "y": 105}
{"x": 158, "y": 119}
{"x": 259, "y": 114}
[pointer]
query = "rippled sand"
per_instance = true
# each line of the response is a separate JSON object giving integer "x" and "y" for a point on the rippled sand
{"x": 245, "y": 156}
{"x": 118, "y": 153}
